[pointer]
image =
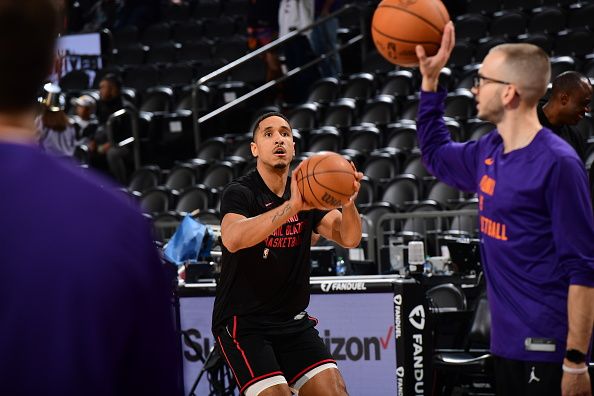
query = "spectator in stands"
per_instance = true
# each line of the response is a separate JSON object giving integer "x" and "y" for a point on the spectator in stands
{"x": 262, "y": 29}
{"x": 266, "y": 231}
{"x": 85, "y": 120}
{"x": 535, "y": 216}
{"x": 110, "y": 97}
{"x": 110, "y": 101}
{"x": 324, "y": 37}
{"x": 84, "y": 305}
{"x": 569, "y": 101}
{"x": 56, "y": 134}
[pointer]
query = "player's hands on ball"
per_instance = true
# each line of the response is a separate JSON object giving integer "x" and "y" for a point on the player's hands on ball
{"x": 356, "y": 185}
{"x": 431, "y": 66}
{"x": 297, "y": 201}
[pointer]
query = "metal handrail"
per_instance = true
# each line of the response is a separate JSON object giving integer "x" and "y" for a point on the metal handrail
{"x": 248, "y": 57}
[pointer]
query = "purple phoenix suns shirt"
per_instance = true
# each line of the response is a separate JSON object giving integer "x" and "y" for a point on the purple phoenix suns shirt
{"x": 537, "y": 231}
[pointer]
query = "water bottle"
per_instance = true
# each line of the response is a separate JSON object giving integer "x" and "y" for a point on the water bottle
{"x": 340, "y": 267}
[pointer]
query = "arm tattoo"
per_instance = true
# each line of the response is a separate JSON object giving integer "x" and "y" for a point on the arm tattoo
{"x": 282, "y": 212}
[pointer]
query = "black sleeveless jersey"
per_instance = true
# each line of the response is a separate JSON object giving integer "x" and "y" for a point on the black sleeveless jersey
{"x": 267, "y": 283}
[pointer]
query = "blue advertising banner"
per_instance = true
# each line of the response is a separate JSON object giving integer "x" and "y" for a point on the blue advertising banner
{"x": 358, "y": 329}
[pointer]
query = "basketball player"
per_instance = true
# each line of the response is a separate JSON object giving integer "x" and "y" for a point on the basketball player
{"x": 84, "y": 306}
{"x": 537, "y": 230}
{"x": 259, "y": 319}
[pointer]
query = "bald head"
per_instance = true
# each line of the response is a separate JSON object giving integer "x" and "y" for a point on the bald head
{"x": 568, "y": 82}
{"x": 527, "y": 67}
{"x": 570, "y": 99}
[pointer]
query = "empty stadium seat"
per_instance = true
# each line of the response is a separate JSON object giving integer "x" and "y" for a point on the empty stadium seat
{"x": 192, "y": 198}
{"x": 324, "y": 91}
{"x": 364, "y": 138}
{"x": 550, "y": 20}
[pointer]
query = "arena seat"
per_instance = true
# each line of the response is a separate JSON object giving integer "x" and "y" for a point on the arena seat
{"x": 401, "y": 135}
{"x": 132, "y": 55}
{"x": 541, "y": 40}
{"x": 577, "y": 42}
{"x": 471, "y": 26}
{"x": 379, "y": 111}
{"x": 446, "y": 297}
{"x": 398, "y": 83}
{"x": 381, "y": 166}
{"x": 156, "y": 200}
{"x": 197, "y": 50}
{"x": 581, "y": 14}
{"x": 157, "y": 100}
{"x": 508, "y": 24}
{"x": 304, "y": 117}
{"x": 218, "y": 175}
{"x": 364, "y": 138}
{"x": 402, "y": 191}
{"x": 212, "y": 149}
{"x": 471, "y": 365}
{"x": 326, "y": 138}
{"x": 324, "y": 91}
{"x": 157, "y": 33}
{"x": 340, "y": 113}
{"x": 549, "y": 20}
{"x": 144, "y": 178}
{"x": 192, "y": 198}
{"x": 180, "y": 177}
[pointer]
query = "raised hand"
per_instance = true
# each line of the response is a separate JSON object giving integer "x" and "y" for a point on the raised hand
{"x": 431, "y": 66}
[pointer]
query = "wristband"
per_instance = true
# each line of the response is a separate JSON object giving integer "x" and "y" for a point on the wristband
{"x": 574, "y": 370}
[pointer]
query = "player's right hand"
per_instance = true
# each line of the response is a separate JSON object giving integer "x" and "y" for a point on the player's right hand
{"x": 297, "y": 201}
{"x": 431, "y": 66}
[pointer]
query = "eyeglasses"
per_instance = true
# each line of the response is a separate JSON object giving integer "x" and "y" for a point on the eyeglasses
{"x": 476, "y": 81}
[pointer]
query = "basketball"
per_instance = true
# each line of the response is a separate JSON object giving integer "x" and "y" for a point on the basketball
{"x": 398, "y": 26}
{"x": 325, "y": 180}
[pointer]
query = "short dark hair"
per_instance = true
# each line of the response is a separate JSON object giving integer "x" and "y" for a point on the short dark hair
{"x": 114, "y": 79}
{"x": 28, "y": 33}
{"x": 568, "y": 82}
{"x": 264, "y": 116}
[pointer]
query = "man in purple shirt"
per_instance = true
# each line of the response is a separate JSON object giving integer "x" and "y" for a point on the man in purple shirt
{"x": 537, "y": 231}
{"x": 84, "y": 304}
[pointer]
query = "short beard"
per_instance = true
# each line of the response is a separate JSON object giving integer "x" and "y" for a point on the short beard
{"x": 280, "y": 166}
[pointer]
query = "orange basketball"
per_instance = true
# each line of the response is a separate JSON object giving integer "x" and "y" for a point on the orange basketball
{"x": 398, "y": 26}
{"x": 325, "y": 180}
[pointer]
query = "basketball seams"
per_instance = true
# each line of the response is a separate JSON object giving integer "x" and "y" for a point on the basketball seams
{"x": 438, "y": 9}
{"x": 311, "y": 192}
{"x": 310, "y": 175}
{"x": 314, "y": 174}
{"x": 409, "y": 42}
{"x": 328, "y": 188}
{"x": 428, "y": 22}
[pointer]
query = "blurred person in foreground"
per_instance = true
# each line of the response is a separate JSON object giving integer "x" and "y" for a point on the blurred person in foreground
{"x": 84, "y": 303}
{"x": 537, "y": 230}
{"x": 56, "y": 133}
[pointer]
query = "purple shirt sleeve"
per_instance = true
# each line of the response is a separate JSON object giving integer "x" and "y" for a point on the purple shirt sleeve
{"x": 453, "y": 163}
{"x": 573, "y": 234}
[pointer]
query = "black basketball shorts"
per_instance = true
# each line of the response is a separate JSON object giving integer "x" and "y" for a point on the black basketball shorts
{"x": 255, "y": 356}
